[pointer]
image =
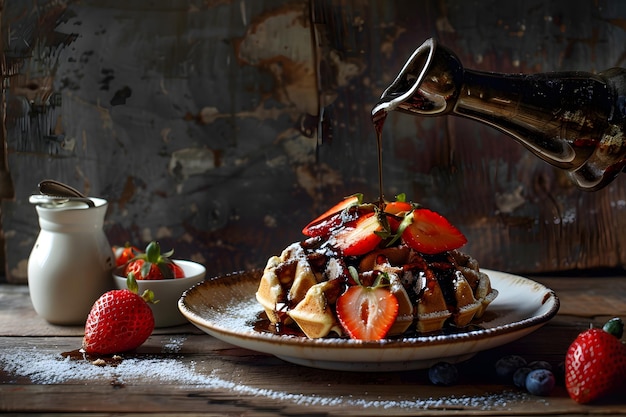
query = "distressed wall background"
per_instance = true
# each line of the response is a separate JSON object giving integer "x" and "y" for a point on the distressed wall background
{"x": 198, "y": 121}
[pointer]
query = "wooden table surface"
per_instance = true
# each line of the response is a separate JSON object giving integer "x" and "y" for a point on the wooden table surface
{"x": 182, "y": 370}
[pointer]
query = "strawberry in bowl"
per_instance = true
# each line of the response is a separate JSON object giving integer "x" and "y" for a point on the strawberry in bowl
{"x": 168, "y": 278}
{"x": 125, "y": 253}
{"x": 152, "y": 265}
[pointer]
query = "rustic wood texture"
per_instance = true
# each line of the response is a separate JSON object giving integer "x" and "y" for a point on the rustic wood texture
{"x": 181, "y": 370}
{"x": 198, "y": 122}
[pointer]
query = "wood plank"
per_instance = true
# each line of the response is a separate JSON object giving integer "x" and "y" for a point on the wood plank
{"x": 184, "y": 370}
{"x": 194, "y": 373}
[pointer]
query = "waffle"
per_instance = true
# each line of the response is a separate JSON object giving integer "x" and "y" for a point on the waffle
{"x": 300, "y": 288}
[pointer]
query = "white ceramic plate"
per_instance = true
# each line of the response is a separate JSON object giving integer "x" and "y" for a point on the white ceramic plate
{"x": 226, "y": 308}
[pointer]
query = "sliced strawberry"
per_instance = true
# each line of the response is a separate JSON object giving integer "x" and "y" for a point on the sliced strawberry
{"x": 398, "y": 207}
{"x": 360, "y": 236}
{"x": 325, "y": 226}
{"x": 430, "y": 233}
{"x": 367, "y": 313}
{"x": 331, "y": 218}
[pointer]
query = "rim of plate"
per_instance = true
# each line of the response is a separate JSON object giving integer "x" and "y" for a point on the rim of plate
{"x": 549, "y": 296}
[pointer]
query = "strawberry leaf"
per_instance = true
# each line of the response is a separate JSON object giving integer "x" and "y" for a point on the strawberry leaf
{"x": 148, "y": 297}
{"x": 153, "y": 252}
{"x": 406, "y": 221}
{"x": 615, "y": 326}
{"x": 382, "y": 280}
{"x": 145, "y": 268}
{"x": 131, "y": 283}
{"x": 354, "y": 274}
{"x": 165, "y": 269}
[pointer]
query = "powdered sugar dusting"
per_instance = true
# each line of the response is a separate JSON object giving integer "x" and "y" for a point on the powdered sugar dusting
{"x": 174, "y": 344}
{"x": 48, "y": 368}
{"x": 238, "y": 315}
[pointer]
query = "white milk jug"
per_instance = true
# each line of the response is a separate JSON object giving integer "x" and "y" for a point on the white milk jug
{"x": 71, "y": 263}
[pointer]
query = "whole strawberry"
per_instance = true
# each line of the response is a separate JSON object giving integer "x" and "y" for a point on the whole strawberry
{"x": 120, "y": 320}
{"x": 153, "y": 264}
{"x": 125, "y": 253}
{"x": 595, "y": 363}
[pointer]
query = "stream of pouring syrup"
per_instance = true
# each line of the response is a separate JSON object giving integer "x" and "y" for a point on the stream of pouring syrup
{"x": 378, "y": 120}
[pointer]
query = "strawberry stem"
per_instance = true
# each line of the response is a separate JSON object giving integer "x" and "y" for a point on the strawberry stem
{"x": 378, "y": 282}
{"x": 406, "y": 222}
{"x": 148, "y": 297}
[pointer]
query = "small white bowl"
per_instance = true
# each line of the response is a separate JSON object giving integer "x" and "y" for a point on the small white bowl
{"x": 167, "y": 291}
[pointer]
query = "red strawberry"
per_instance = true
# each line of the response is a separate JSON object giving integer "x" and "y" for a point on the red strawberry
{"x": 367, "y": 313}
{"x": 125, "y": 253}
{"x": 120, "y": 320}
{"x": 398, "y": 207}
{"x": 361, "y": 235}
{"x": 331, "y": 218}
{"x": 326, "y": 226}
{"x": 429, "y": 232}
{"x": 595, "y": 365}
{"x": 154, "y": 265}
{"x": 146, "y": 270}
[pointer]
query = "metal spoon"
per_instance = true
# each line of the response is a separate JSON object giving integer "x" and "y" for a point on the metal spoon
{"x": 57, "y": 188}
{"x": 55, "y": 193}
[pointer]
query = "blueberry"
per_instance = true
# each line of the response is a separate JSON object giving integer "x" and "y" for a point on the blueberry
{"x": 519, "y": 377}
{"x": 540, "y": 365}
{"x": 443, "y": 373}
{"x": 507, "y": 365}
{"x": 540, "y": 382}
